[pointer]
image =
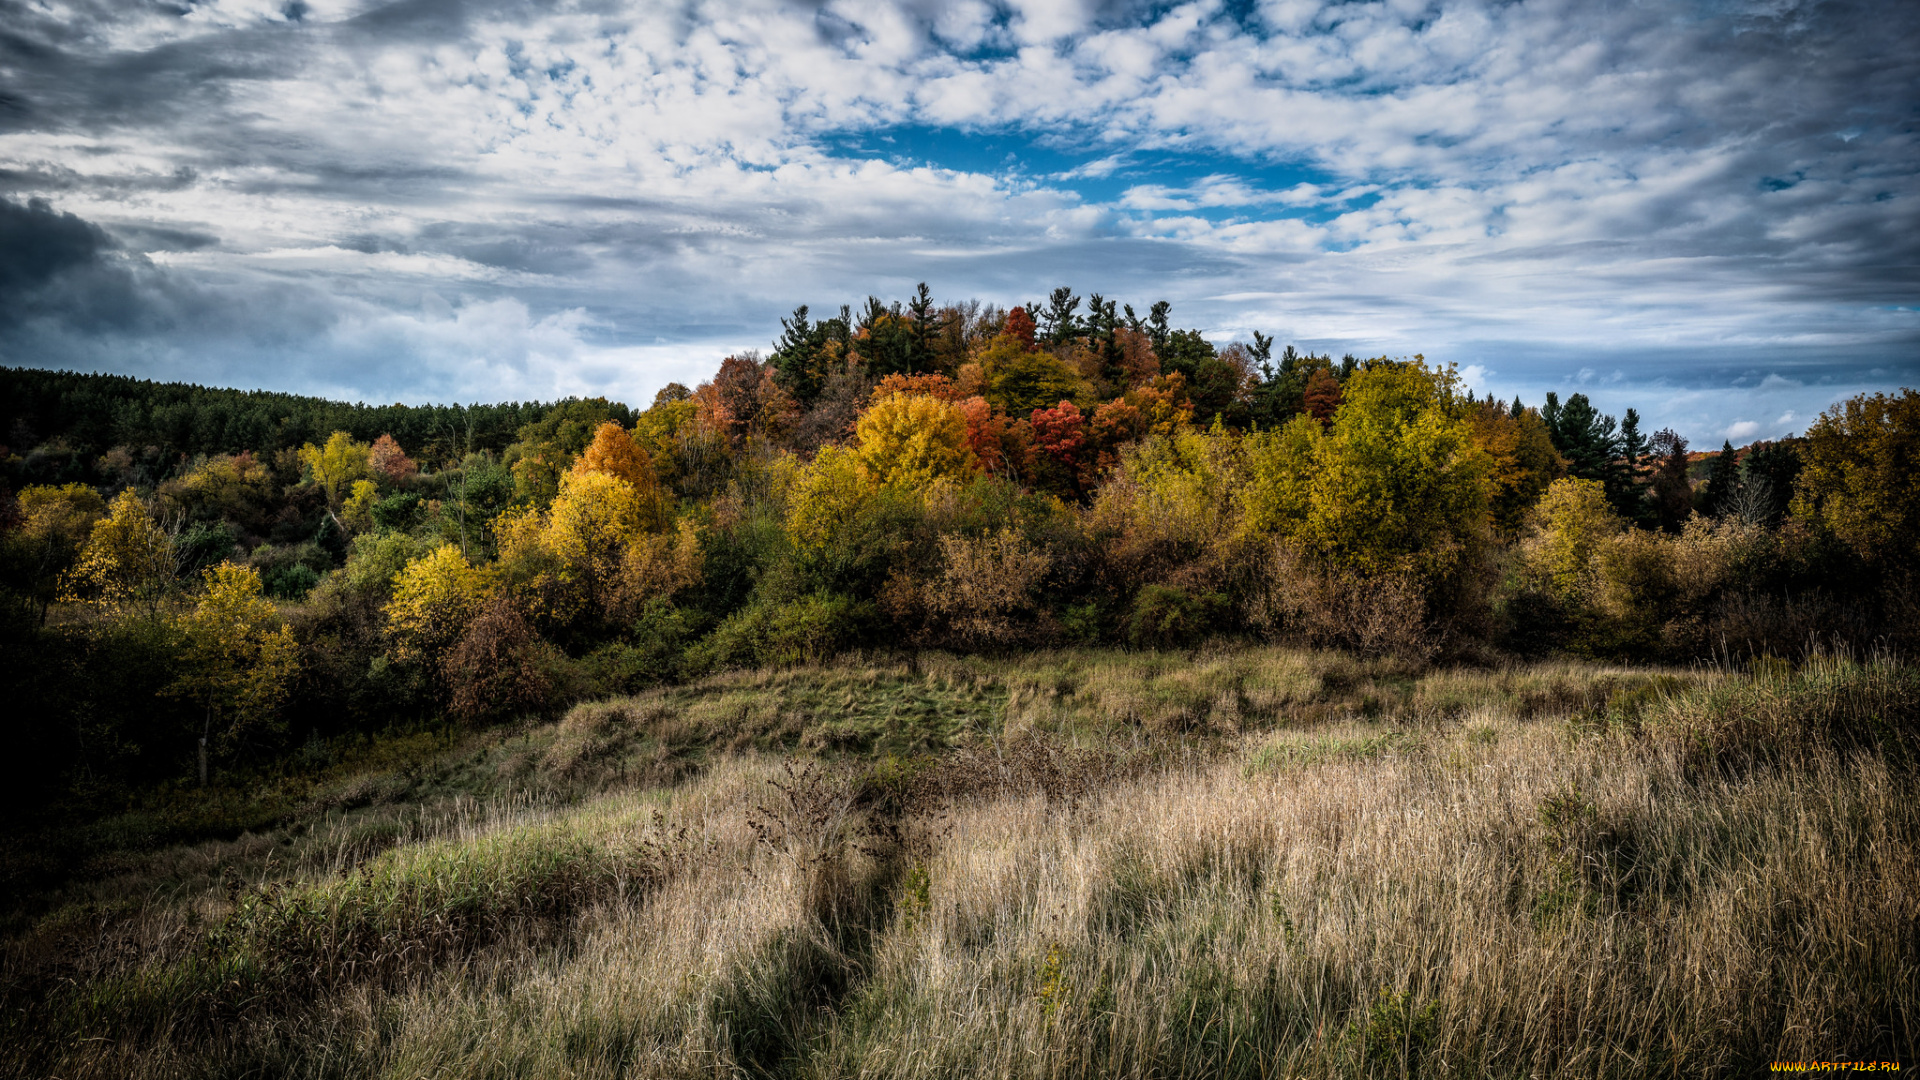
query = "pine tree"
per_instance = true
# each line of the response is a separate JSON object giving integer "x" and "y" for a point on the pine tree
{"x": 1633, "y": 455}
{"x": 1059, "y": 324}
{"x": 1723, "y": 481}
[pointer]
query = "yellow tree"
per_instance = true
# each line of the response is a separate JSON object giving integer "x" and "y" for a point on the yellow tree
{"x": 357, "y": 514}
{"x": 1396, "y": 485}
{"x": 236, "y": 488}
{"x": 434, "y": 599}
{"x": 594, "y": 519}
{"x": 912, "y": 439}
{"x": 828, "y": 493}
{"x": 335, "y": 467}
{"x": 128, "y": 562}
{"x": 58, "y": 521}
{"x": 239, "y": 658}
{"x": 1571, "y": 526}
{"x": 1861, "y": 476}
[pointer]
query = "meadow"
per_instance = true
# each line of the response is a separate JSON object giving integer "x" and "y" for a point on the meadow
{"x": 1258, "y": 862}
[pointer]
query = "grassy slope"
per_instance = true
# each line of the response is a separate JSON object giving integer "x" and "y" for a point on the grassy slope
{"x": 1253, "y": 863}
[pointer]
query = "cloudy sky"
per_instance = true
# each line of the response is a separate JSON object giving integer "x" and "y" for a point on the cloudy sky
{"x": 1708, "y": 209}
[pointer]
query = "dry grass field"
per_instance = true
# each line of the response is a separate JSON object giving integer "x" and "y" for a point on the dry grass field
{"x": 1252, "y": 863}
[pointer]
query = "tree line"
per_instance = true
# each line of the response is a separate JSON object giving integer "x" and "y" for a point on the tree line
{"x": 917, "y": 475}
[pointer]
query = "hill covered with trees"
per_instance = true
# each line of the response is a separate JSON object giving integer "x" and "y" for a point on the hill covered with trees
{"x": 959, "y": 477}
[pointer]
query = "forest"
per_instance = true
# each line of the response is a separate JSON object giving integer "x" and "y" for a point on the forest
{"x": 217, "y": 603}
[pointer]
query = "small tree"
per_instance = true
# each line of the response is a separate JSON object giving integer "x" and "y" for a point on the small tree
{"x": 497, "y": 666}
{"x": 614, "y": 452}
{"x": 434, "y": 599}
{"x": 335, "y": 467}
{"x": 1571, "y": 525}
{"x": 386, "y": 460}
{"x": 1322, "y": 396}
{"x": 56, "y": 524}
{"x": 1671, "y": 491}
{"x": 1723, "y": 481}
{"x": 239, "y": 661}
{"x": 129, "y": 561}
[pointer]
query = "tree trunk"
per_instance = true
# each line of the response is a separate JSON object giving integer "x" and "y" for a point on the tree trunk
{"x": 204, "y": 732}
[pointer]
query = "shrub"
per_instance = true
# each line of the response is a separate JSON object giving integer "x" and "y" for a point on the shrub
{"x": 292, "y": 582}
{"x": 1571, "y": 524}
{"x": 806, "y": 630}
{"x": 987, "y": 584}
{"x": 1319, "y": 605}
{"x": 500, "y": 667}
{"x": 1164, "y": 616}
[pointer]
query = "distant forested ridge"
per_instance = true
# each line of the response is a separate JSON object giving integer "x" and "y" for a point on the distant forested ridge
{"x": 60, "y": 423}
{"x": 194, "y": 579}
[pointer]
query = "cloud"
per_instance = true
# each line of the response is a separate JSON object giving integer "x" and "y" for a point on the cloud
{"x": 1677, "y": 196}
{"x": 1740, "y": 431}
{"x": 37, "y": 245}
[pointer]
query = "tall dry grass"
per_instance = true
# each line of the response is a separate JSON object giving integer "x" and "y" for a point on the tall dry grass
{"x": 1554, "y": 871}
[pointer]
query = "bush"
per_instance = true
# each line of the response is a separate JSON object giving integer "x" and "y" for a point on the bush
{"x": 1166, "y": 617}
{"x": 987, "y": 586}
{"x": 292, "y": 582}
{"x": 654, "y": 652}
{"x": 803, "y": 631}
{"x": 1383, "y": 614}
{"x": 203, "y": 544}
{"x": 500, "y": 668}
{"x": 397, "y": 511}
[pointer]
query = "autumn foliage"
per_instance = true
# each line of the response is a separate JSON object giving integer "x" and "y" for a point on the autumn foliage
{"x": 969, "y": 477}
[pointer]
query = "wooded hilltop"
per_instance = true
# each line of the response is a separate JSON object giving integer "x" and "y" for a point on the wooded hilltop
{"x": 195, "y": 578}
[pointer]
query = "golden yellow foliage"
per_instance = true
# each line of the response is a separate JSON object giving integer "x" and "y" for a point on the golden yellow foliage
{"x": 57, "y": 522}
{"x": 655, "y": 567}
{"x": 1572, "y": 525}
{"x": 433, "y": 600}
{"x": 128, "y": 560}
{"x": 63, "y": 500}
{"x": 594, "y": 515}
{"x": 240, "y": 657}
{"x": 358, "y": 511}
{"x": 336, "y": 465}
{"x": 830, "y": 491}
{"x": 913, "y": 439}
{"x": 575, "y": 556}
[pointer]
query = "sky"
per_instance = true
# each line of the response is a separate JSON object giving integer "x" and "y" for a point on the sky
{"x": 1707, "y": 210}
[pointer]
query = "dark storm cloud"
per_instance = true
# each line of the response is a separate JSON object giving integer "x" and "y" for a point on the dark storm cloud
{"x": 37, "y": 244}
